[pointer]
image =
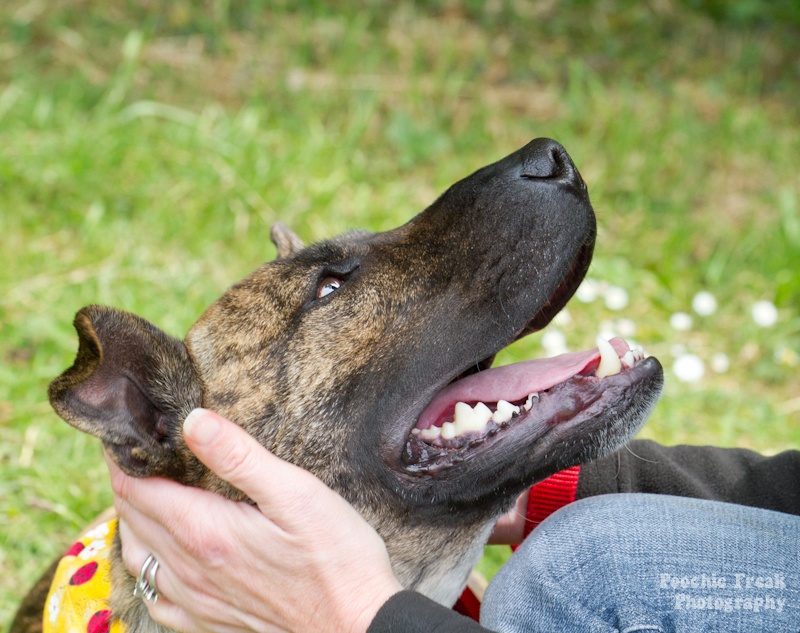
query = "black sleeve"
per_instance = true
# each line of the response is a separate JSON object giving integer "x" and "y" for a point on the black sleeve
{"x": 734, "y": 475}
{"x": 409, "y": 612}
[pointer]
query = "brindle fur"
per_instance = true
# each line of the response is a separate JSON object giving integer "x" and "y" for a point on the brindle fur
{"x": 335, "y": 384}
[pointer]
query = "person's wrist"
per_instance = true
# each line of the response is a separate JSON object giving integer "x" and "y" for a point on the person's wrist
{"x": 361, "y": 620}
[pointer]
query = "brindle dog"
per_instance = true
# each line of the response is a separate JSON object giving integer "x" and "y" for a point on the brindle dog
{"x": 342, "y": 358}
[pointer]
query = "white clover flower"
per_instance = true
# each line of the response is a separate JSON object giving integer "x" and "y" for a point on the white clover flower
{"x": 720, "y": 362}
{"x": 704, "y": 303}
{"x": 677, "y": 349}
{"x": 92, "y": 549}
{"x": 588, "y": 291}
{"x": 688, "y": 368}
{"x": 616, "y": 298}
{"x": 786, "y": 356}
{"x": 765, "y": 313}
{"x": 626, "y": 327}
{"x": 554, "y": 342}
{"x": 680, "y": 321}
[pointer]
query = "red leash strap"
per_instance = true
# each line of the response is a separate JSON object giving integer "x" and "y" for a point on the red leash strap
{"x": 543, "y": 499}
{"x": 550, "y": 495}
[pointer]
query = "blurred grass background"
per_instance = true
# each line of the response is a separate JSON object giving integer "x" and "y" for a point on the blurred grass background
{"x": 146, "y": 147}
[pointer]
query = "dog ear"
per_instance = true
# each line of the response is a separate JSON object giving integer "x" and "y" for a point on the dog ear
{"x": 285, "y": 240}
{"x": 131, "y": 385}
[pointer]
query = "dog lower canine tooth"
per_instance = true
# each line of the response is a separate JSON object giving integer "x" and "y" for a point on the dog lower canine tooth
{"x": 336, "y": 380}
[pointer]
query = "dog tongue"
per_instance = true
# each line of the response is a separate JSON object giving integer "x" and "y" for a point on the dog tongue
{"x": 512, "y": 382}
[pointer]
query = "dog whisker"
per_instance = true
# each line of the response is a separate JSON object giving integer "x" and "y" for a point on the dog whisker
{"x": 649, "y": 461}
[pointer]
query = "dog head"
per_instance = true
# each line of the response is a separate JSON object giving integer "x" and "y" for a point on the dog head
{"x": 364, "y": 359}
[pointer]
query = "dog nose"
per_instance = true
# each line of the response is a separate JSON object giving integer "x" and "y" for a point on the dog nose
{"x": 545, "y": 159}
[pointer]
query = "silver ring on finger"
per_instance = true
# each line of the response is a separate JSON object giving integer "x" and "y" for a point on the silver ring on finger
{"x": 146, "y": 584}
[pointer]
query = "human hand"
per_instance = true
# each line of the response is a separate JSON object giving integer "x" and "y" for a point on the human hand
{"x": 509, "y": 529}
{"x": 302, "y": 560}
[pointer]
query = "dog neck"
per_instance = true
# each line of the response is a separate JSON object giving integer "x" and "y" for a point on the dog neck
{"x": 440, "y": 572}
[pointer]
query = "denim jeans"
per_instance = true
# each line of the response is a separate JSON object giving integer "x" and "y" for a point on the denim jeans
{"x": 638, "y": 562}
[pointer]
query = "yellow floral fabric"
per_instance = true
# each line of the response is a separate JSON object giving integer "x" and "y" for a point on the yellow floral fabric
{"x": 78, "y": 598}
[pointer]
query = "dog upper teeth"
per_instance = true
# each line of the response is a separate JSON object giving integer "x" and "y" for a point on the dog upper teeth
{"x": 609, "y": 361}
{"x": 628, "y": 360}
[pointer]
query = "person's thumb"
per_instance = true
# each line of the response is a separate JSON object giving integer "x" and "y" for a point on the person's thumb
{"x": 236, "y": 457}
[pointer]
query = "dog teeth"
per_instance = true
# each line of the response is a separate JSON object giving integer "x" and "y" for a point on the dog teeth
{"x": 468, "y": 419}
{"x": 628, "y": 359}
{"x": 529, "y": 402}
{"x": 609, "y": 361}
{"x": 481, "y": 415}
{"x": 505, "y": 410}
{"x": 464, "y": 418}
{"x": 448, "y": 431}
{"x": 431, "y": 433}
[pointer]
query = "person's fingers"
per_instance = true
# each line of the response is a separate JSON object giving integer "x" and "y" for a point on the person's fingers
{"x": 135, "y": 553}
{"x": 171, "y": 507}
{"x": 134, "y": 556}
{"x": 172, "y": 616}
{"x": 235, "y": 456}
{"x": 283, "y": 492}
{"x": 138, "y": 492}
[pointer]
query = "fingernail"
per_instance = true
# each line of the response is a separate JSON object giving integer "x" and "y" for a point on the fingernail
{"x": 201, "y": 427}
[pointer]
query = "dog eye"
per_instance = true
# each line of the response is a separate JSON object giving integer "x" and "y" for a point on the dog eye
{"x": 327, "y": 286}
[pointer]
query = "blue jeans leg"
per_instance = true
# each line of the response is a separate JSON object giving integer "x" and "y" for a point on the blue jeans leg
{"x": 637, "y": 562}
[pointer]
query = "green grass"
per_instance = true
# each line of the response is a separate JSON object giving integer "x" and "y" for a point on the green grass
{"x": 146, "y": 148}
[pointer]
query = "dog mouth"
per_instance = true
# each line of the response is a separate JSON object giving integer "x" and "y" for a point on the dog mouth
{"x": 533, "y": 397}
{"x": 553, "y": 412}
